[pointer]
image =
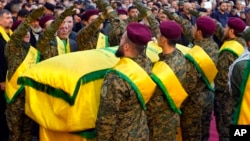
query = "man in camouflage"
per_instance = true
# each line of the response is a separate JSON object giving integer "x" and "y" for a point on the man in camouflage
{"x": 223, "y": 99}
{"x": 120, "y": 115}
{"x": 87, "y": 37}
{"x": 162, "y": 119}
{"x": 197, "y": 108}
{"x": 185, "y": 24}
{"x": 16, "y": 50}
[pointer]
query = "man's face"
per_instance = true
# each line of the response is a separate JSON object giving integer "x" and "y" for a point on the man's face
{"x": 35, "y": 26}
{"x": 223, "y": 7}
{"x": 63, "y": 31}
{"x": 69, "y": 21}
{"x": 6, "y": 21}
{"x": 91, "y": 19}
{"x": 120, "y": 51}
{"x": 132, "y": 13}
{"x": 162, "y": 17}
{"x": 27, "y": 37}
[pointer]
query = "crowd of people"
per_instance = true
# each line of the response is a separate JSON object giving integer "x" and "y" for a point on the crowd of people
{"x": 186, "y": 85}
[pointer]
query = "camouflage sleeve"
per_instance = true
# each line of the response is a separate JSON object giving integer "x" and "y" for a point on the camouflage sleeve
{"x": 224, "y": 61}
{"x": 154, "y": 24}
{"x": 112, "y": 89}
{"x": 219, "y": 30}
{"x": 145, "y": 12}
{"x": 118, "y": 28}
{"x": 51, "y": 50}
{"x": 24, "y": 27}
{"x": 49, "y": 33}
{"x": 86, "y": 33}
{"x": 13, "y": 48}
{"x": 194, "y": 13}
{"x": 185, "y": 24}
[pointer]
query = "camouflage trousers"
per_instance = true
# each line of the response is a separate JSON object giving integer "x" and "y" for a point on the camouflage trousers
{"x": 222, "y": 112}
{"x": 196, "y": 116}
{"x": 19, "y": 124}
{"x": 163, "y": 127}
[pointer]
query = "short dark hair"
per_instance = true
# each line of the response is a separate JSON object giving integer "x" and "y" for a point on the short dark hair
{"x": 131, "y": 7}
{"x": 172, "y": 42}
{"x": 4, "y": 11}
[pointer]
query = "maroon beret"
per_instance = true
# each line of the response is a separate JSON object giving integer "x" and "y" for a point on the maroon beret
{"x": 122, "y": 12}
{"x": 138, "y": 33}
{"x": 44, "y": 19}
{"x": 171, "y": 30}
{"x": 87, "y": 14}
{"x": 237, "y": 24}
{"x": 207, "y": 25}
{"x": 15, "y": 25}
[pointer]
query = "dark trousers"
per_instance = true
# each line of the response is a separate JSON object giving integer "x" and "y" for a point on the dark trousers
{"x": 4, "y": 132}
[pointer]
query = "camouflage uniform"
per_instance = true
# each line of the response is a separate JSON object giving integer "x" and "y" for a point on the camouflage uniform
{"x": 87, "y": 37}
{"x": 162, "y": 120}
{"x": 120, "y": 116}
{"x": 118, "y": 25}
{"x": 223, "y": 99}
{"x": 218, "y": 35}
{"x": 16, "y": 50}
{"x": 45, "y": 44}
{"x": 197, "y": 108}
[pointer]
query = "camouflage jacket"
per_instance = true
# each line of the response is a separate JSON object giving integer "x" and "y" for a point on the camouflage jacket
{"x": 212, "y": 49}
{"x": 158, "y": 108}
{"x": 87, "y": 37}
{"x": 226, "y": 58}
{"x": 120, "y": 116}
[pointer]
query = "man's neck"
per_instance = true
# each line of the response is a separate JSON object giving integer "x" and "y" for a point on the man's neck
{"x": 167, "y": 49}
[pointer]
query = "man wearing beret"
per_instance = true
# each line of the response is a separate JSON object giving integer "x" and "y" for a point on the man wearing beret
{"x": 121, "y": 114}
{"x": 198, "y": 106}
{"x": 186, "y": 25}
{"x": 18, "y": 58}
{"x": 163, "y": 118}
{"x": 47, "y": 44}
{"x": 238, "y": 79}
{"x": 231, "y": 49}
{"x": 87, "y": 37}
